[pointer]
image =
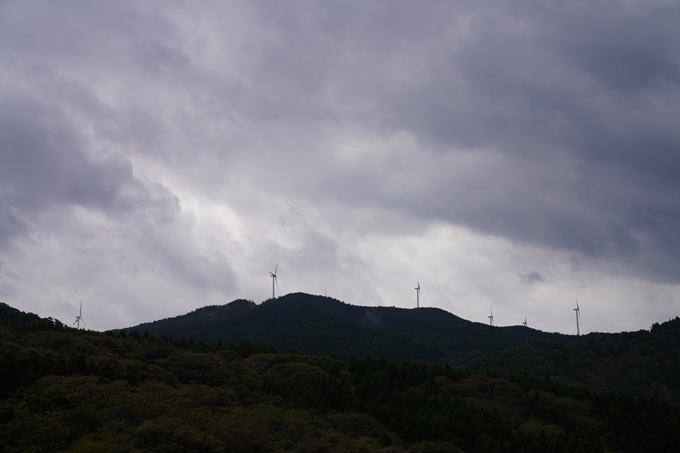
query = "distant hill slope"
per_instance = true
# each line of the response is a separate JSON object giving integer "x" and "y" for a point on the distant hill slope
{"x": 320, "y": 325}
{"x": 11, "y": 318}
{"x": 642, "y": 361}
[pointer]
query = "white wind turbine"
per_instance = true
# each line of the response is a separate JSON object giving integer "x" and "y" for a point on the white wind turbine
{"x": 578, "y": 318}
{"x": 274, "y": 280}
{"x": 491, "y": 317}
{"x": 525, "y": 321}
{"x": 417, "y": 294}
{"x": 80, "y": 317}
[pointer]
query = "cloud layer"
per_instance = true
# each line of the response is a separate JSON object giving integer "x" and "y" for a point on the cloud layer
{"x": 162, "y": 156}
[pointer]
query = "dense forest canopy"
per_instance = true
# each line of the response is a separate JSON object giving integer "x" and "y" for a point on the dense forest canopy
{"x": 638, "y": 362}
{"x": 81, "y": 391}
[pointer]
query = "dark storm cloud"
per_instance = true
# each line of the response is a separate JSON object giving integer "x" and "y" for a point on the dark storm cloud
{"x": 533, "y": 82}
{"x": 44, "y": 164}
{"x": 531, "y": 277}
{"x": 44, "y": 161}
{"x": 530, "y": 81}
{"x": 190, "y": 128}
{"x": 624, "y": 47}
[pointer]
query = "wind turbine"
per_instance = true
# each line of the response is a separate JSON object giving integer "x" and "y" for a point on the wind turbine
{"x": 274, "y": 280}
{"x": 491, "y": 317}
{"x": 417, "y": 294}
{"x": 578, "y": 318}
{"x": 80, "y": 317}
{"x": 525, "y": 321}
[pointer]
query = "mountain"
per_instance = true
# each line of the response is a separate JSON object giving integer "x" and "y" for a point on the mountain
{"x": 70, "y": 390}
{"x": 646, "y": 361}
{"x": 11, "y": 318}
{"x": 321, "y": 325}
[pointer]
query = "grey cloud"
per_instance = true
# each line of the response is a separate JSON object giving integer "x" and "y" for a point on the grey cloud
{"x": 626, "y": 48}
{"x": 47, "y": 164}
{"x": 10, "y": 223}
{"x": 536, "y": 83}
{"x": 172, "y": 249}
{"x": 531, "y": 277}
{"x": 553, "y": 125}
{"x": 7, "y": 289}
{"x": 44, "y": 160}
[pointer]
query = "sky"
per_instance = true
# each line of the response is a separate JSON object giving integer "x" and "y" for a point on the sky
{"x": 160, "y": 156}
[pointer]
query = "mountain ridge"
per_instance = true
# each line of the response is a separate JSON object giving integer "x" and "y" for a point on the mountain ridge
{"x": 321, "y": 325}
{"x": 641, "y": 362}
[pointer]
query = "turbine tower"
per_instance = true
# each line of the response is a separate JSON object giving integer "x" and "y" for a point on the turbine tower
{"x": 274, "y": 281}
{"x": 578, "y": 318}
{"x": 491, "y": 317}
{"x": 80, "y": 317}
{"x": 525, "y": 321}
{"x": 418, "y": 294}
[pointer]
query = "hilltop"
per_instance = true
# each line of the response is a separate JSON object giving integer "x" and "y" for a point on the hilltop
{"x": 321, "y": 325}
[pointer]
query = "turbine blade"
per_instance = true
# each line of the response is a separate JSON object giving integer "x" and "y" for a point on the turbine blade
{"x": 277, "y": 284}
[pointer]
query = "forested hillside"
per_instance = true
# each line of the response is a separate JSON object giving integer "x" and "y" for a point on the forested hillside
{"x": 321, "y": 325}
{"x": 81, "y": 391}
{"x": 638, "y": 362}
{"x": 11, "y": 318}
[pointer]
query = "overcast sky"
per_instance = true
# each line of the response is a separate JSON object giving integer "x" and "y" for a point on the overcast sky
{"x": 160, "y": 156}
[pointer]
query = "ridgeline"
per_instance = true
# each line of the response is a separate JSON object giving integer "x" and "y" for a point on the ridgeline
{"x": 316, "y": 325}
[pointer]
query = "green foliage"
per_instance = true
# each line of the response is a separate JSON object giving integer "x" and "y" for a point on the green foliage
{"x": 80, "y": 391}
{"x": 12, "y": 319}
{"x": 637, "y": 362}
